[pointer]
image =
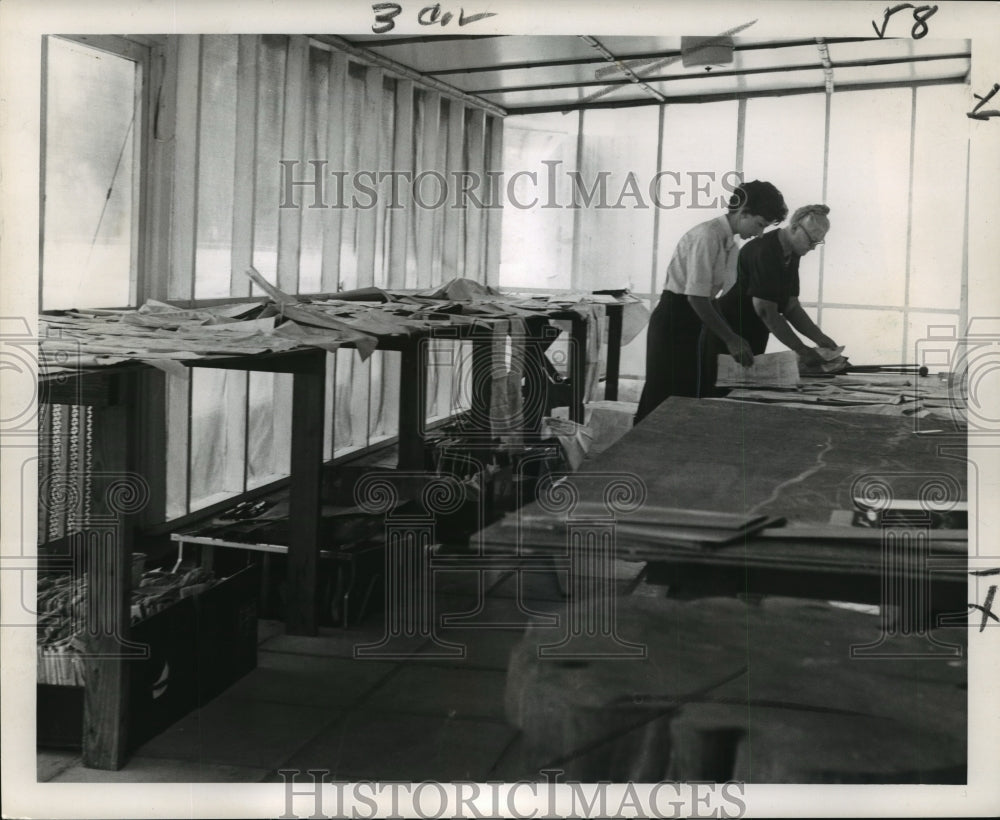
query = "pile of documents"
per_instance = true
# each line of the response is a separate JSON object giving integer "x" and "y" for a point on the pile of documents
{"x": 777, "y": 369}
{"x": 164, "y": 335}
{"x": 885, "y": 394}
{"x": 652, "y": 526}
{"x": 767, "y": 370}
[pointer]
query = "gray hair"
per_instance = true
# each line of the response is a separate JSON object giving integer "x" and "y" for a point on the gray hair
{"x": 807, "y": 212}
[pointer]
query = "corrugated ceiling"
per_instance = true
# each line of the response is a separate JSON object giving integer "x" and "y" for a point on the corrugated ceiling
{"x": 526, "y": 74}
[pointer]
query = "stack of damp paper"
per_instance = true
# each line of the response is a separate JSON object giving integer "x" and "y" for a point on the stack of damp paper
{"x": 653, "y": 526}
{"x": 768, "y": 370}
{"x": 884, "y": 394}
{"x": 164, "y": 336}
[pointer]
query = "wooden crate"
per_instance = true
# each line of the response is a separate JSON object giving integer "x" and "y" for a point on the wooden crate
{"x": 198, "y": 647}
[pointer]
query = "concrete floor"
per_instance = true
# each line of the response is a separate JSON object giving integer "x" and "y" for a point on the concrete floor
{"x": 310, "y": 704}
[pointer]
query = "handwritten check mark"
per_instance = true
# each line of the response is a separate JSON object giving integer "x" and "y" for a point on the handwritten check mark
{"x": 472, "y": 18}
{"x": 976, "y": 114}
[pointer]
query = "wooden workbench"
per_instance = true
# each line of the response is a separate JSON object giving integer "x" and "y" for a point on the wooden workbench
{"x": 797, "y": 464}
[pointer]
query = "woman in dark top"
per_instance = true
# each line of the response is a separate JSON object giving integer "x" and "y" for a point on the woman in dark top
{"x": 765, "y": 299}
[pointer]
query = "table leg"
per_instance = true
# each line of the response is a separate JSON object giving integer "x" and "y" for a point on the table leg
{"x": 308, "y": 399}
{"x": 578, "y": 367}
{"x": 104, "y": 550}
{"x": 106, "y": 694}
{"x": 614, "y": 313}
{"x": 482, "y": 378}
{"x": 537, "y": 400}
{"x": 412, "y": 404}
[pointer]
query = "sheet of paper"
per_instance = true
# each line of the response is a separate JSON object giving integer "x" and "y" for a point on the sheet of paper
{"x": 767, "y": 370}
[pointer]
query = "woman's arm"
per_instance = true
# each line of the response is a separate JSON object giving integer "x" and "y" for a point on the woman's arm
{"x": 709, "y": 314}
{"x": 777, "y": 324}
{"x": 770, "y": 316}
{"x": 807, "y": 327}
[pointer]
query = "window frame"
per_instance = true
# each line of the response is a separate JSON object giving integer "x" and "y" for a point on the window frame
{"x": 140, "y": 52}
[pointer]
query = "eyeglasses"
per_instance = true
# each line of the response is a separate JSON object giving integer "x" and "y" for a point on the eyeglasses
{"x": 812, "y": 242}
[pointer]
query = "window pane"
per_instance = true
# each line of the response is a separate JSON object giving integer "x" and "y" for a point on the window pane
{"x": 699, "y": 149}
{"x": 865, "y": 256}
{"x": 386, "y": 375}
{"x": 383, "y": 217}
{"x": 633, "y": 356}
{"x": 537, "y": 242}
{"x": 932, "y": 340}
{"x": 316, "y": 129}
{"x": 354, "y": 93}
{"x": 869, "y": 336}
{"x": 269, "y": 436}
{"x": 271, "y": 54}
{"x": 178, "y": 436}
{"x": 937, "y": 234}
{"x": 438, "y": 272}
{"x": 89, "y": 153}
{"x": 783, "y": 144}
{"x": 616, "y": 237}
{"x": 217, "y": 444}
{"x": 351, "y": 402}
{"x": 216, "y": 158}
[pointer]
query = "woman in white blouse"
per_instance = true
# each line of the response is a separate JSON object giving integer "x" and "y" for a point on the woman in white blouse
{"x": 703, "y": 267}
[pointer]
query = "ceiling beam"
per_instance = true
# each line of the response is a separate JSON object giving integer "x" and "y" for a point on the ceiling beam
{"x": 689, "y": 99}
{"x": 646, "y": 55}
{"x": 724, "y": 73}
{"x": 612, "y": 60}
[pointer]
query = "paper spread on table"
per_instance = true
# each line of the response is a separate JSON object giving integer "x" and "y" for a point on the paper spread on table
{"x": 164, "y": 335}
{"x": 767, "y": 370}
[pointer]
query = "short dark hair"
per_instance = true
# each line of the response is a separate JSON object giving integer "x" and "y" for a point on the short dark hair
{"x": 760, "y": 199}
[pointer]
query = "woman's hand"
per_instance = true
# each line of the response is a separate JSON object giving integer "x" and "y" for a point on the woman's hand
{"x": 826, "y": 341}
{"x": 739, "y": 349}
{"x": 809, "y": 357}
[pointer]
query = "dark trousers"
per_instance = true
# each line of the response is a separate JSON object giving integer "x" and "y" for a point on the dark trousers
{"x": 672, "y": 353}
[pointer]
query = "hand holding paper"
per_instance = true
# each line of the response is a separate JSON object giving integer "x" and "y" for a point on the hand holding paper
{"x": 768, "y": 370}
{"x": 827, "y": 360}
{"x": 740, "y": 350}
{"x": 830, "y": 353}
{"x": 810, "y": 357}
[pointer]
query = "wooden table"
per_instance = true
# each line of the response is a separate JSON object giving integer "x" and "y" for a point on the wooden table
{"x": 123, "y": 391}
{"x": 798, "y": 464}
{"x": 116, "y": 390}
